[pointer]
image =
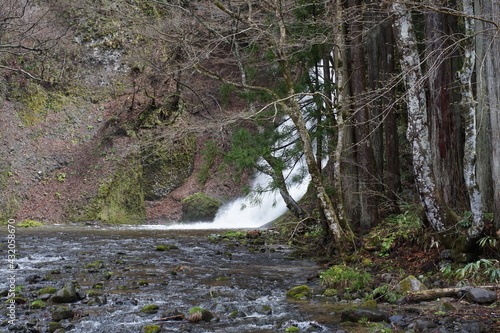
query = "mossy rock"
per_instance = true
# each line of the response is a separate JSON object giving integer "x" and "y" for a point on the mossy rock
{"x": 409, "y": 284}
{"x": 47, "y": 290}
{"x": 62, "y": 312}
{"x": 53, "y": 326}
{"x": 164, "y": 247}
{"x": 197, "y": 313}
{"x": 330, "y": 292}
{"x": 292, "y": 329}
{"x": 150, "y": 309}
{"x": 151, "y": 329}
{"x": 166, "y": 165}
{"x": 199, "y": 207}
{"x": 38, "y": 304}
{"x": 370, "y": 304}
{"x": 299, "y": 292}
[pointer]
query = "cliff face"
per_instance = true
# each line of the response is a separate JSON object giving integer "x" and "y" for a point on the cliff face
{"x": 102, "y": 136}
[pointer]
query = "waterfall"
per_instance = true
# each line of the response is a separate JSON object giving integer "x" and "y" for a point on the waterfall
{"x": 245, "y": 212}
{"x": 258, "y": 209}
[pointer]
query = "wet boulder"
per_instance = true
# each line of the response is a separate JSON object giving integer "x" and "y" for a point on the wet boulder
{"x": 151, "y": 329}
{"x": 199, "y": 207}
{"x": 67, "y": 294}
{"x": 150, "y": 309}
{"x": 62, "y": 312}
{"x": 300, "y": 292}
{"x": 33, "y": 278}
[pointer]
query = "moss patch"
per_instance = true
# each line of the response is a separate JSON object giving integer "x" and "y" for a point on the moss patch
{"x": 35, "y": 102}
{"x": 299, "y": 292}
{"x": 151, "y": 329}
{"x": 150, "y": 309}
{"x": 121, "y": 199}
{"x": 166, "y": 165}
{"x": 30, "y": 224}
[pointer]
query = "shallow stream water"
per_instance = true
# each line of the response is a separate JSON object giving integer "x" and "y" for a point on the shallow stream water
{"x": 244, "y": 287}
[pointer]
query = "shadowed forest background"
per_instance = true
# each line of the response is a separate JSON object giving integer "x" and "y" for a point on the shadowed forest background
{"x": 118, "y": 111}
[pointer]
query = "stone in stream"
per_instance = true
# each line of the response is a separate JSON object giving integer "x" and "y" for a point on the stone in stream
{"x": 62, "y": 312}
{"x": 67, "y": 294}
{"x": 33, "y": 278}
{"x": 299, "y": 292}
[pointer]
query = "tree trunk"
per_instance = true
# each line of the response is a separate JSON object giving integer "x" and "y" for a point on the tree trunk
{"x": 444, "y": 123}
{"x": 341, "y": 234}
{"x": 484, "y": 136}
{"x": 337, "y": 232}
{"x": 340, "y": 103}
{"x": 431, "y": 294}
{"x": 417, "y": 131}
{"x": 469, "y": 115}
{"x": 381, "y": 70}
{"x": 277, "y": 175}
{"x": 364, "y": 151}
{"x": 489, "y": 97}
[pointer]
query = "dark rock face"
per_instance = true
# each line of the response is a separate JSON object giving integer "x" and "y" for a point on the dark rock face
{"x": 481, "y": 296}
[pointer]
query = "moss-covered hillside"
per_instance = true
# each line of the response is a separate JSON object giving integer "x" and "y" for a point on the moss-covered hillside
{"x": 95, "y": 123}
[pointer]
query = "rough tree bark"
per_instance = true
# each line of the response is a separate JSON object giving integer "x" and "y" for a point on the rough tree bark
{"x": 364, "y": 151}
{"x": 417, "y": 131}
{"x": 444, "y": 121}
{"x": 469, "y": 115}
{"x": 488, "y": 78}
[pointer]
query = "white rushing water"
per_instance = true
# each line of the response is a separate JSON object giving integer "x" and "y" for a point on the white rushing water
{"x": 244, "y": 213}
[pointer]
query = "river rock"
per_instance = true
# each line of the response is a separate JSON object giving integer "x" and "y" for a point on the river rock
{"x": 33, "y": 278}
{"x": 357, "y": 313}
{"x": 300, "y": 292}
{"x": 62, "y": 312}
{"x": 67, "y": 294}
{"x": 424, "y": 325}
{"x": 481, "y": 296}
{"x": 410, "y": 284}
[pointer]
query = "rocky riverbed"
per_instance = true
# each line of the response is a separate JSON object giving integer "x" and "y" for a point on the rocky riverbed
{"x": 149, "y": 279}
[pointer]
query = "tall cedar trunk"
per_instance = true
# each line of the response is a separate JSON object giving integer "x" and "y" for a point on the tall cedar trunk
{"x": 381, "y": 69}
{"x": 489, "y": 98}
{"x": 364, "y": 151}
{"x": 392, "y": 174}
{"x": 444, "y": 122}
{"x": 373, "y": 53}
{"x": 469, "y": 114}
{"x": 484, "y": 137}
{"x": 417, "y": 132}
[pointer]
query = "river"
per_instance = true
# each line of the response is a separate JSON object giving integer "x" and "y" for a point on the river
{"x": 244, "y": 286}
